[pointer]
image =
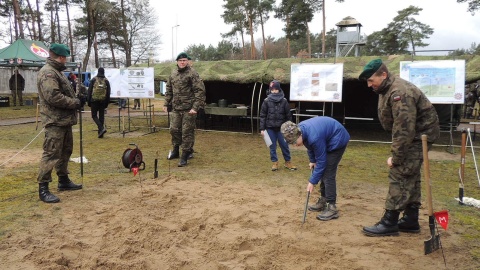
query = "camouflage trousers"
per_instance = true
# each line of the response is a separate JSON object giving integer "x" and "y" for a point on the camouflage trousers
{"x": 14, "y": 97}
{"x": 182, "y": 129}
{"x": 405, "y": 180}
{"x": 57, "y": 149}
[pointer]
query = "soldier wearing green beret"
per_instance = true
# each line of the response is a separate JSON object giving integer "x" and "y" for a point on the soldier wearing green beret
{"x": 58, "y": 108}
{"x": 407, "y": 113}
{"x": 184, "y": 97}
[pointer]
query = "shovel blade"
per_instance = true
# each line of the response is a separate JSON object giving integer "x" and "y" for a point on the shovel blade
{"x": 432, "y": 244}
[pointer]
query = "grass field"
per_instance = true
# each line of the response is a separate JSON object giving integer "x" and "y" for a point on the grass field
{"x": 224, "y": 155}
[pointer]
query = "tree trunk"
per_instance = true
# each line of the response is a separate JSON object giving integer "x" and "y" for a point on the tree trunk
{"x": 288, "y": 39}
{"x": 243, "y": 47}
{"x": 57, "y": 17}
{"x": 253, "y": 55}
{"x": 128, "y": 52}
{"x": 309, "y": 41}
{"x": 18, "y": 20}
{"x": 112, "y": 49}
{"x": 39, "y": 21}
{"x": 32, "y": 17}
{"x": 52, "y": 24}
{"x": 263, "y": 39}
{"x": 70, "y": 38}
{"x": 323, "y": 32}
{"x": 90, "y": 32}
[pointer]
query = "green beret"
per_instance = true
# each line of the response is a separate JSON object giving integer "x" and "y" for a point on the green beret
{"x": 183, "y": 55}
{"x": 60, "y": 49}
{"x": 370, "y": 69}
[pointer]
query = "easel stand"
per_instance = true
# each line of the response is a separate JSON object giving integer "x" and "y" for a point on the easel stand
{"x": 469, "y": 139}
{"x": 148, "y": 115}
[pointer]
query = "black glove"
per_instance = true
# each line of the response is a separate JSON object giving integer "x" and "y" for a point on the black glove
{"x": 169, "y": 108}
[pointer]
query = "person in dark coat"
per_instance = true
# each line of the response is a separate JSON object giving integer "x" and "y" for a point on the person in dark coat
{"x": 17, "y": 85}
{"x": 274, "y": 112}
{"x": 98, "y": 98}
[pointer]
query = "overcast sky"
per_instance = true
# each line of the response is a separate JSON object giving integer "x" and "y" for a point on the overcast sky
{"x": 200, "y": 22}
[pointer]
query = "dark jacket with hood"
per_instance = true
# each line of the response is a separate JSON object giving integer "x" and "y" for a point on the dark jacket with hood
{"x": 275, "y": 111}
{"x": 101, "y": 74}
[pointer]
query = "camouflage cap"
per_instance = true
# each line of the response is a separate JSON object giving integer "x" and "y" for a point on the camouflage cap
{"x": 60, "y": 49}
{"x": 290, "y": 132}
{"x": 370, "y": 69}
{"x": 183, "y": 55}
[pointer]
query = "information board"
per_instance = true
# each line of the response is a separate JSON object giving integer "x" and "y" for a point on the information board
{"x": 442, "y": 81}
{"x": 316, "y": 82}
{"x": 130, "y": 82}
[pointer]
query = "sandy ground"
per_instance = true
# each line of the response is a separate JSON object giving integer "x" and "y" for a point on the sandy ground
{"x": 172, "y": 223}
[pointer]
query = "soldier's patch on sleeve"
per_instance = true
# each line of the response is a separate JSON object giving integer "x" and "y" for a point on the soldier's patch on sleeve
{"x": 50, "y": 75}
{"x": 397, "y": 98}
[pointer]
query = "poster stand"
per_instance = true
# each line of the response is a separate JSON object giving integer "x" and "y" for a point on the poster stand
{"x": 148, "y": 112}
{"x": 450, "y": 125}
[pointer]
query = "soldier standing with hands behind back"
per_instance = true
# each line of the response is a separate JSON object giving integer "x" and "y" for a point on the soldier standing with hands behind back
{"x": 17, "y": 85}
{"x": 184, "y": 96}
{"x": 58, "y": 110}
{"x": 406, "y": 112}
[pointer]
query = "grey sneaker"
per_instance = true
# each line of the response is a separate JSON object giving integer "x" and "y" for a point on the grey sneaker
{"x": 329, "y": 213}
{"x": 319, "y": 206}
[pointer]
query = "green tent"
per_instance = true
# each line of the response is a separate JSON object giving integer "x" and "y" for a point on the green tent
{"x": 26, "y": 53}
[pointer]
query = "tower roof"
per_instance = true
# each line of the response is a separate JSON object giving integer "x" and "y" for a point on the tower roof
{"x": 348, "y": 21}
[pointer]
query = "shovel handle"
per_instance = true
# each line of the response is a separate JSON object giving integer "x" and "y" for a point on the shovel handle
{"x": 426, "y": 170}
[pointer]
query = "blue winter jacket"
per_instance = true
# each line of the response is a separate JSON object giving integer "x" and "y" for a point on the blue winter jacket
{"x": 321, "y": 135}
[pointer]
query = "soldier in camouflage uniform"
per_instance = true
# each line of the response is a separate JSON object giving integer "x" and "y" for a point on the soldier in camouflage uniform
{"x": 404, "y": 110}
{"x": 184, "y": 96}
{"x": 58, "y": 107}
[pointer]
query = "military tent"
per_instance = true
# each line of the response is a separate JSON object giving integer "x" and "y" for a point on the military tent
{"x": 26, "y": 53}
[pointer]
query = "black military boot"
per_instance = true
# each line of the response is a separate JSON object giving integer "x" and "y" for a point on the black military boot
{"x": 64, "y": 183}
{"x": 175, "y": 153}
{"x": 183, "y": 159}
{"x": 409, "y": 221}
{"x": 45, "y": 195}
{"x": 386, "y": 226}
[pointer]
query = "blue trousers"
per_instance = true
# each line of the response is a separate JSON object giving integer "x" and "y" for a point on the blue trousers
{"x": 277, "y": 136}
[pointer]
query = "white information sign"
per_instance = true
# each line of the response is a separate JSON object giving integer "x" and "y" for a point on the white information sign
{"x": 442, "y": 81}
{"x": 316, "y": 82}
{"x": 130, "y": 82}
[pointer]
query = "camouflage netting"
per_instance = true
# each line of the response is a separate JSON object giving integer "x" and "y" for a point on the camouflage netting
{"x": 251, "y": 71}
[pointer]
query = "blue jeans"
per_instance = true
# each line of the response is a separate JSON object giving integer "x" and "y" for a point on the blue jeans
{"x": 328, "y": 183}
{"x": 277, "y": 136}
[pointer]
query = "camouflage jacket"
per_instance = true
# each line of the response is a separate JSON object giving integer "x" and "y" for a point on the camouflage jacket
{"x": 58, "y": 104}
{"x": 185, "y": 90}
{"x": 404, "y": 110}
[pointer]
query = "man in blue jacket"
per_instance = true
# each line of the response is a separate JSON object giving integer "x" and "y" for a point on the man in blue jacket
{"x": 326, "y": 140}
